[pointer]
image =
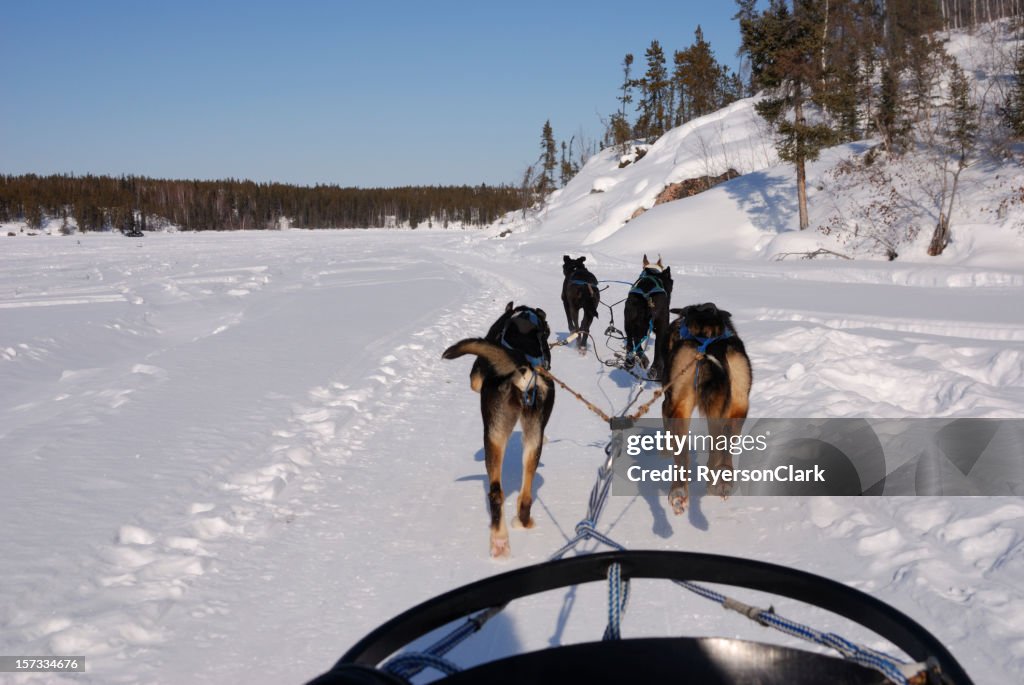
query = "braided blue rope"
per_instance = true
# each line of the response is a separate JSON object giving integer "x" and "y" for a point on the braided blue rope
{"x": 890, "y": 666}
{"x": 410, "y": 664}
{"x": 618, "y": 596}
{"x": 586, "y": 528}
{"x": 407, "y": 665}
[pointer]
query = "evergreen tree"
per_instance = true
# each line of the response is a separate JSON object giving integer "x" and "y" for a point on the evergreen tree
{"x": 680, "y": 62}
{"x": 745, "y": 12}
{"x": 620, "y": 131}
{"x": 844, "y": 32}
{"x": 627, "y": 84}
{"x": 566, "y": 166}
{"x": 548, "y": 160}
{"x": 784, "y": 48}
{"x": 1013, "y": 109}
{"x": 701, "y": 76}
{"x": 654, "y": 86}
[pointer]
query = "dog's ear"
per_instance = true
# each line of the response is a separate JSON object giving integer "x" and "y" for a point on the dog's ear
{"x": 725, "y": 313}
{"x": 659, "y": 260}
{"x": 541, "y": 313}
{"x": 667, "y": 272}
{"x": 582, "y": 259}
{"x": 566, "y": 259}
{"x": 645, "y": 261}
{"x": 508, "y": 307}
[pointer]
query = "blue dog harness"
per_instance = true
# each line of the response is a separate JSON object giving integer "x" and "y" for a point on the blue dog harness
{"x": 530, "y": 392}
{"x": 647, "y": 293}
{"x": 702, "y": 346}
{"x": 647, "y": 276}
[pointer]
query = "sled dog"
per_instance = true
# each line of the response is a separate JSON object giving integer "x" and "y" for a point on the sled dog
{"x": 579, "y": 291}
{"x": 707, "y": 368}
{"x": 511, "y": 389}
{"x": 646, "y": 313}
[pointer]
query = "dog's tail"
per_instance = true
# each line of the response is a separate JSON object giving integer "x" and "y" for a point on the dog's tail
{"x": 503, "y": 362}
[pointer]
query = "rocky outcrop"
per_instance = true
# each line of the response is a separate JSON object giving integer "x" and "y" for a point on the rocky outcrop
{"x": 691, "y": 186}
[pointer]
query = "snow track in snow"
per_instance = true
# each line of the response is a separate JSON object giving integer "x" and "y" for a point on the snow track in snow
{"x": 246, "y": 485}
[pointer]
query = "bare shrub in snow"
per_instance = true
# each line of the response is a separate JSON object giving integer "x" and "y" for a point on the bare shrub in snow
{"x": 869, "y": 214}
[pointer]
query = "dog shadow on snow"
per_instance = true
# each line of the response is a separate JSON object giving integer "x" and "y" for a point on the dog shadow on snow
{"x": 621, "y": 378}
{"x": 502, "y": 637}
{"x": 661, "y": 517}
{"x": 511, "y": 470}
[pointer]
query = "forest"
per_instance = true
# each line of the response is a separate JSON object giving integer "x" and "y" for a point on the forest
{"x": 127, "y": 203}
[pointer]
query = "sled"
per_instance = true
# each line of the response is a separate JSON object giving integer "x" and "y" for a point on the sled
{"x": 693, "y": 659}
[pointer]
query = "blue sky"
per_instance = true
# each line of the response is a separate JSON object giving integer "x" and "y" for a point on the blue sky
{"x": 365, "y": 94}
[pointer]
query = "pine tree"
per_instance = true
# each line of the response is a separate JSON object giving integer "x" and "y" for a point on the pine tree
{"x": 620, "y": 131}
{"x": 680, "y": 62}
{"x": 701, "y": 76}
{"x": 654, "y": 86}
{"x": 548, "y": 160}
{"x": 1013, "y": 109}
{"x": 627, "y": 84}
{"x": 566, "y": 166}
{"x": 784, "y": 49}
{"x": 888, "y": 115}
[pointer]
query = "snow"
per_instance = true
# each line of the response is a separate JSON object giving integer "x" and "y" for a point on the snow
{"x": 205, "y": 488}
{"x": 229, "y": 456}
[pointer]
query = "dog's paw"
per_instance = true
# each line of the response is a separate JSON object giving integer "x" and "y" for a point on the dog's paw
{"x": 500, "y": 549}
{"x": 677, "y": 499}
{"x": 519, "y": 524}
{"x": 721, "y": 488}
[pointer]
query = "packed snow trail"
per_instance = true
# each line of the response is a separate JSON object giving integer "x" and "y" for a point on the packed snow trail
{"x": 231, "y": 456}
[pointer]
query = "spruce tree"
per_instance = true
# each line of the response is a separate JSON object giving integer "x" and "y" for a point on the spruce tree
{"x": 1013, "y": 108}
{"x": 619, "y": 128}
{"x": 680, "y": 63}
{"x": 654, "y": 86}
{"x": 701, "y": 76}
{"x": 784, "y": 49}
{"x": 548, "y": 160}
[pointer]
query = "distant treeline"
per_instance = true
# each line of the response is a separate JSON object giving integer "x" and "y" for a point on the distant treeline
{"x": 100, "y": 203}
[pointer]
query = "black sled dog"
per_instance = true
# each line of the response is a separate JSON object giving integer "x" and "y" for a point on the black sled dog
{"x": 707, "y": 368}
{"x": 646, "y": 312}
{"x": 579, "y": 291}
{"x": 511, "y": 389}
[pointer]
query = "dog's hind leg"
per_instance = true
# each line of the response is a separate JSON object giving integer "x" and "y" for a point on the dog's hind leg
{"x": 676, "y": 412}
{"x": 570, "y": 310}
{"x": 588, "y": 318}
{"x": 726, "y": 408}
{"x": 498, "y": 425}
{"x": 740, "y": 379}
{"x": 533, "y": 443}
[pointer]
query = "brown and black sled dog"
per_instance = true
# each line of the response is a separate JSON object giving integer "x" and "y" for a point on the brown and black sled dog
{"x": 511, "y": 390}
{"x": 707, "y": 368}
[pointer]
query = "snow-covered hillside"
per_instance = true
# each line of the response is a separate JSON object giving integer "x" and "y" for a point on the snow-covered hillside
{"x": 229, "y": 456}
{"x": 753, "y": 217}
